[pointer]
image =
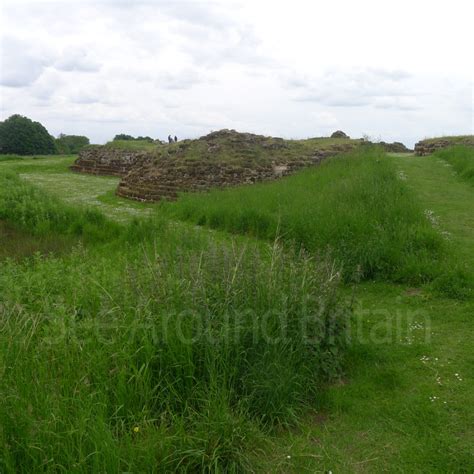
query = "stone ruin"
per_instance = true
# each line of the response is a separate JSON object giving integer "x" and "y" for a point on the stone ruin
{"x": 429, "y": 146}
{"x": 102, "y": 160}
{"x": 339, "y": 134}
{"x": 220, "y": 159}
{"x": 165, "y": 178}
{"x": 249, "y": 159}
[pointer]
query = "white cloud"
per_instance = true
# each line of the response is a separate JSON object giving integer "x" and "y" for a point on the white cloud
{"x": 21, "y": 62}
{"x": 291, "y": 69}
{"x": 76, "y": 59}
{"x": 356, "y": 88}
{"x": 179, "y": 80}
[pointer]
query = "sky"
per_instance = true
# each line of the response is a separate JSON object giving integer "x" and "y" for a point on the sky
{"x": 390, "y": 70}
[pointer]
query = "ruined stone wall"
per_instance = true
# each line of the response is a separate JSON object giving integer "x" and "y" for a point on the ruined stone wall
{"x": 109, "y": 161}
{"x": 167, "y": 178}
{"x": 220, "y": 159}
{"x": 426, "y": 147}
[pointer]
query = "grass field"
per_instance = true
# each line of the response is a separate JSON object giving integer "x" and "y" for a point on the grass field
{"x": 86, "y": 389}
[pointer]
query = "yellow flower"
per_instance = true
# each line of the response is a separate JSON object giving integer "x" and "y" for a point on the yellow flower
{"x": 136, "y": 429}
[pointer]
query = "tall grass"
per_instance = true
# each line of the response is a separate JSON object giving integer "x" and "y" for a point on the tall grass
{"x": 17, "y": 244}
{"x": 461, "y": 158}
{"x": 174, "y": 353}
{"x": 31, "y": 209}
{"x": 354, "y": 206}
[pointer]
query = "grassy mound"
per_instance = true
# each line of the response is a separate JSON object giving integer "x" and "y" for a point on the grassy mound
{"x": 431, "y": 145}
{"x": 248, "y": 149}
{"x": 461, "y": 158}
{"x": 453, "y": 139}
{"x": 178, "y": 352}
{"x": 135, "y": 145}
{"x": 356, "y": 206}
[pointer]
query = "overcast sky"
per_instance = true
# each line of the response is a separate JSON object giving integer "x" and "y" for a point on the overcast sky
{"x": 393, "y": 70}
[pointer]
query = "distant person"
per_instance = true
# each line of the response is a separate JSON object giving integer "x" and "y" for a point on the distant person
{"x": 175, "y": 139}
{"x": 170, "y": 140}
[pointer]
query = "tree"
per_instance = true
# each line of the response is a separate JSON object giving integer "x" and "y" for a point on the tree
{"x": 20, "y": 135}
{"x": 71, "y": 144}
{"x": 123, "y": 136}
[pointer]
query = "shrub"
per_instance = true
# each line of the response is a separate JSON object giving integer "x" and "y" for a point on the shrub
{"x": 125, "y": 137}
{"x": 71, "y": 144}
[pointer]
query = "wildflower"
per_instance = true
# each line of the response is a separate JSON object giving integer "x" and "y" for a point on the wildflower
{"x": 136, "y": 429}
{"x": 402, "y": 176}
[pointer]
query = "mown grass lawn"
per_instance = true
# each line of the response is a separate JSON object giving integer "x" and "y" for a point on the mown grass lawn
{"x": 52, "y": 174}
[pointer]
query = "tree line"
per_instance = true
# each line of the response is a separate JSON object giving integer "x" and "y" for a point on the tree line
{"x": 20, "y": 135}
{"x": 125, "y": 137}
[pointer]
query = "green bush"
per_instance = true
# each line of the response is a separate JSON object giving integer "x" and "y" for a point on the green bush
{"x": 71, "y": 144}
{"x": 353, "y": 206}
{"x": 125, "y": 137}
{"x": 20, "y": 135}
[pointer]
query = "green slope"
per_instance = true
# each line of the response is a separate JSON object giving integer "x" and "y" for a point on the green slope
{"x": 406, "y": 405}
